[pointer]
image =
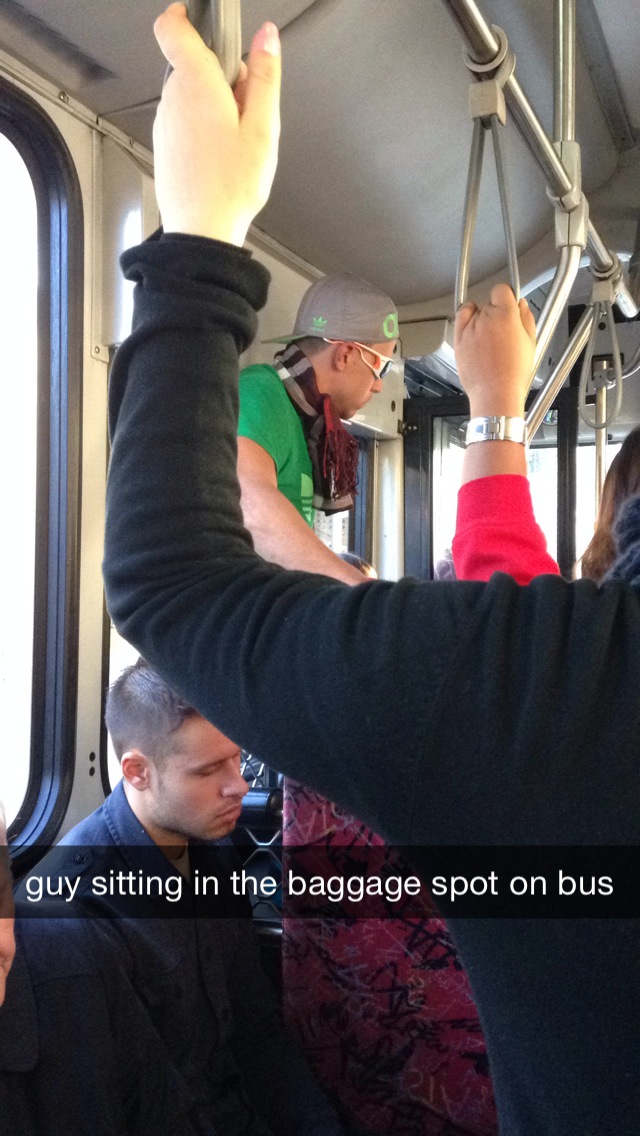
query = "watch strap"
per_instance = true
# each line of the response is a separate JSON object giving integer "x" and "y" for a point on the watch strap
{"x": 496, "y": 428}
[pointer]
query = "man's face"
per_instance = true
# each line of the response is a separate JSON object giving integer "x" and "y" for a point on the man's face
{"x": 196, "y": 790}
{"x": 357, "y": 383}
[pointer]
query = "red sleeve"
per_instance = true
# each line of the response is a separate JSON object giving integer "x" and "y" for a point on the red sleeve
{"x": 496, "y": 531}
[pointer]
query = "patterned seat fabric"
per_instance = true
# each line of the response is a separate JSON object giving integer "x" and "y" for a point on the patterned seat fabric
{"x": 381, "y": 1007}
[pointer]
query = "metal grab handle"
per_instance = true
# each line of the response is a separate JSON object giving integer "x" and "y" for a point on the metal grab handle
{"x": 599, "y": 309}
{"x": 471, "y": 209}
{"x": 218, "y": 23}
{"x": 509, "y": 236}
{"x": 470, "y": 212}
{"x": 488, "y": 111}
{"x": 226, "y": 35}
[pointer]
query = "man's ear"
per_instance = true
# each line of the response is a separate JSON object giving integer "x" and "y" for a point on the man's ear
{"x": 342, "y": 354}
{"x": 136, "y": 769}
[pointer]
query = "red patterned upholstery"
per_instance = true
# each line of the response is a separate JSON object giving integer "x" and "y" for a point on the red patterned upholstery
{"x": 382, "y": 1007}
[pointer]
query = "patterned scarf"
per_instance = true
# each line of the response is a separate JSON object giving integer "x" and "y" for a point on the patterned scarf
{"x": 626, "y": 535}
{"x": 333, "y": 451}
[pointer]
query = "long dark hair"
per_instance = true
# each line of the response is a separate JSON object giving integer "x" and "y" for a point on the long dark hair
{"x": 622, "y": 481}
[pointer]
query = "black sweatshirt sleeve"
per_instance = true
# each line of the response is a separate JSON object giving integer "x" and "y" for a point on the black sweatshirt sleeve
{"x": 424, "y": 708}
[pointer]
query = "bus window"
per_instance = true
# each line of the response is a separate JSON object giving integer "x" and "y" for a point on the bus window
{"x": 41, "y": 284}
{"x": 333, "y": 530}
{"x": 18, "y": 366}
{"x": 448, "y": 452}
{"x": 350, "y": 530}
{"x": 434, "y": 451}
{"x": 543, "y": 477}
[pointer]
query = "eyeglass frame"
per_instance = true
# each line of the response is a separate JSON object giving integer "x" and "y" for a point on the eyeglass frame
{"x": 386, "y": 361}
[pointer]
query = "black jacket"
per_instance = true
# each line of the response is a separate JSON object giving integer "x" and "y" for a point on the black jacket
{"x": 193, "y": 972}
{"x": 79, "y": 1054}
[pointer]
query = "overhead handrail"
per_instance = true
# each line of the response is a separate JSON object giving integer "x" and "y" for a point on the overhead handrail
{"x": 556, "y": 301}
{"x": 488, "y": 111}
{"x": 564, "y": 71}
{"x": 572, "y": 210}
{"x": 219, "y": 24}
{"x": 483, "y": 46}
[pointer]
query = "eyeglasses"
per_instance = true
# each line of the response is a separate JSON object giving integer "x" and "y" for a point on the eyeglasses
{"x": 382, "y": 363}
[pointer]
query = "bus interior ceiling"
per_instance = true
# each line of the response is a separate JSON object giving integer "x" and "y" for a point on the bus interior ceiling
{"x": 376, "y": 128}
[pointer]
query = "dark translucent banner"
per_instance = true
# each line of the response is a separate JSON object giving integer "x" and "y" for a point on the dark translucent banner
{"x": 355, "y": 881}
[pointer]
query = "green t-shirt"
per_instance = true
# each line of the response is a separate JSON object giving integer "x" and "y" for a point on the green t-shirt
{"x": 268, "y": 418}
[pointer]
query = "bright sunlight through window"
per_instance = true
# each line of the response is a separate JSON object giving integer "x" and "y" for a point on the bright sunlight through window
{"x": 18, "y": 368}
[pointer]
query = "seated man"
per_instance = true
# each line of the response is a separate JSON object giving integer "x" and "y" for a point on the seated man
{"x": 138, "y": 862}
{"x": 294, "y": 454}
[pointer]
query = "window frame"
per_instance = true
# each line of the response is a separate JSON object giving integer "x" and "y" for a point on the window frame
{"x": 419, "y": 415}
{"x": 361, "y": 516}
{"x": 60, "y": 240}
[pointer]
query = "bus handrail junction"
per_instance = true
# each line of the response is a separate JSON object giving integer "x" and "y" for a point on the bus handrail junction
{"x": 560, "y": 163}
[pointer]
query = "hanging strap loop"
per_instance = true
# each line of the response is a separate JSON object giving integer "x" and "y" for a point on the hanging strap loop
{"x": 488, "y": 110}
{"x": 603, "y": 299}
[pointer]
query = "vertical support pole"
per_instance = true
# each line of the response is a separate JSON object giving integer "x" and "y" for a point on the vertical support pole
{"x": 601, "y": 441}
{"x": 567, "y": 403}
{"x": 564, "y": 71}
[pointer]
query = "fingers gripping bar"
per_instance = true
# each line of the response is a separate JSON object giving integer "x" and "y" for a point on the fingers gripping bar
{"x": 218, "y": 23}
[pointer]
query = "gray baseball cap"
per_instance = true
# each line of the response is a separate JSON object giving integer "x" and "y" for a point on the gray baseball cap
{"x": 343, "y": 306}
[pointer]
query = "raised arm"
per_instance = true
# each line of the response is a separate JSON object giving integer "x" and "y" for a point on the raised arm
{"x": 288, "y": 664}
{"x": 494, "y": 353}
{"x": 496, "y": 529}
{"x": 279, "y": 533}
{"x": 205, "y": 190}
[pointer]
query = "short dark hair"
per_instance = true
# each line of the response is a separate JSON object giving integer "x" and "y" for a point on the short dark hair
{"x": 143, "y": 712}
{"x": 312, "y": 345}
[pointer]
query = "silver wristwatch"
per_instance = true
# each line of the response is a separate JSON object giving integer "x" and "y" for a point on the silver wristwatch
{"x": 496, "y": 428}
